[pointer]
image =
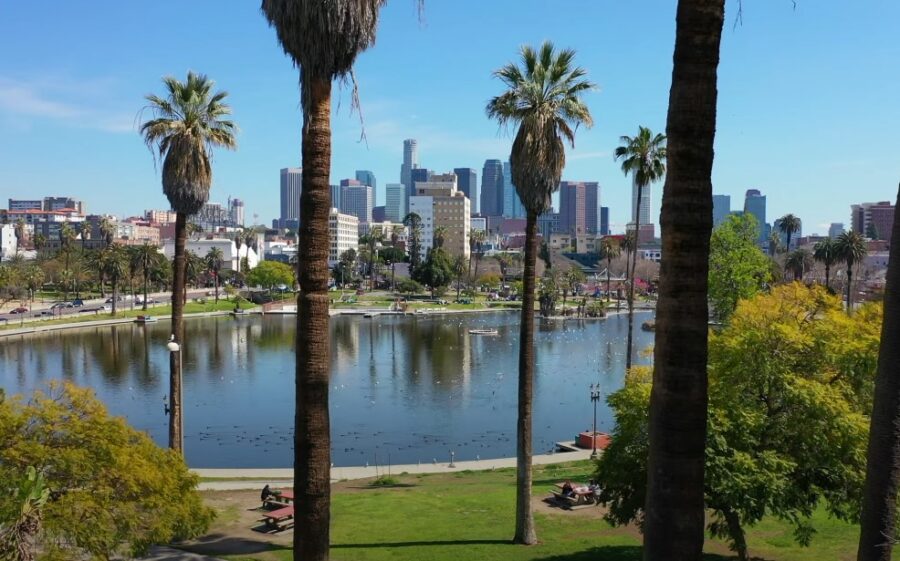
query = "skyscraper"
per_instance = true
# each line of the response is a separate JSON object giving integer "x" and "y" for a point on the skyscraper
{"x": 366, "y": 177}
{"x": 236, "y": 212}
{"x": 512, "y": 204}
{"x": 721, "y": 208}
{"x": 491, "y": 188}
{"x": 357, "y": 200}
{"x": 467, "y": 182}
{"x": 395, "y": 202}
{"x": 835, "y": 230}
{"x": 755, "y": 204}
{"x": 410, "y": 162}
{"x": 604, "y": 220}
{"x": 291, "y": 184}
{"x": 418, "y": 175}
{"x": 644, "y": 213}
{"x": 579, "y": 207}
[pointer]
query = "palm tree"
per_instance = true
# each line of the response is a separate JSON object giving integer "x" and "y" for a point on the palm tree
{"x": 879, "y": 505}
{"x": 476, "y": 240}
{"x": 214, "y": 260}
{"x": 145, "y": 257}
{"x": 439, "y": 236}
{"x": 66, "y": 237}
{"x": 195, "y": 267}
{"x": 825, "y": 252}
{"x": 414, "y": 241}
{"x": 85, "y": 235}
{"x": 851, "y": 249}
{"x": 189, "y": 121}
{"x": 40, "y": 242}
{"x": 19, "y": 232}
{"x": 674, "y": 507}
{"x": 644, "y": 158}
{"x": 788, "y": 225}
{"x": 113, "y": 262}
{"x": 544, "y": 100}
{"x": 774, "y": 243}
{"x": 610, "y": 249}
{"x": 323, "y": 40}
{"x": 798, "y": 262}
{"x": 107, "y": 230}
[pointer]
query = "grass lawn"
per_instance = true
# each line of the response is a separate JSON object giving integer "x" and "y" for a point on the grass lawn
{"x": 466, "y": 515}
{"x": 125, "y": 312}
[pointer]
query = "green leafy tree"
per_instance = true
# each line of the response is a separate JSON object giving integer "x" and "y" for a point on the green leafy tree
{"x": 770, "y": 412}
{"x": 644, "y": 158}
{"x": 851, "y": 249}
{"x": 609, "y": 249}
{"x": 573, "y": 278}
{"x": 345, "y": 270}
{"x": 460, "y": 266}
{"x": 145, "y": 258}
{"x": 214, "y": 261}
{"x": 543, "y": 99}
{"x": 798, "y": 262}
{"x": 111, "y": 486}
{"x": 548, "y": 292}
{"x": 20, "y": 519}
{"x": 113, "y": 261}
{"x": 188, "y": 122}
{"x": 738, "y": 269}
{"x": 476, "y": 250}
{"x": 409, "y": 286}
{"x": 825, "y": 252}
{"x": 872, "y": 231}
{"x": 414, "y": 241}
{"x": 436, "y": 271}
{"x": 269, "y": 274}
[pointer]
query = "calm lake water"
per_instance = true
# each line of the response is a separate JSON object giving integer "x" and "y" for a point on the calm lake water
{"x": 403, "y": 389}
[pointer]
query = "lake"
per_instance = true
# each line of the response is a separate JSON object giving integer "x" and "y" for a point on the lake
{"x": 403, "y": 389}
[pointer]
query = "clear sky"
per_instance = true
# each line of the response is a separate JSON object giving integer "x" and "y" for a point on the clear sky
{"x": 809, "y": 96}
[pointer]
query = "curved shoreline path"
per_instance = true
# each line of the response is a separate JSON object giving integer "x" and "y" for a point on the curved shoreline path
{"x": 227, "y": 479}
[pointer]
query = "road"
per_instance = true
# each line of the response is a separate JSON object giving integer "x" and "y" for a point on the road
{"x": 39, "y": 310}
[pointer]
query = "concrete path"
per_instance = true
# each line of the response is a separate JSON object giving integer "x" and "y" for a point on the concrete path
{"x": 38, "y": 328}
{"x": 281, "y": 477}
{"x": 161, "y": 553}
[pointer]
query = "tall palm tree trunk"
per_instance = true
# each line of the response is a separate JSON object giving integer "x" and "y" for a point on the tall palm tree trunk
{"x": 176, "y": 438}
{"x": 827, "y": 276}
{"x": 312, "y": 439}
{"x": 879, "y": 510}
{"x": 216, "y": 273}
{"x": 608, "y": 265}
{"x": 849, "y": 286}
{"x": 674, "y": 509}
{"x": 525, "y": 533}
{"x": 630, "y": 275}
{"x": 146, "y": 283}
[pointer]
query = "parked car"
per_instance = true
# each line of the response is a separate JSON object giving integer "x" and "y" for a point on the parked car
{"x": 19, "y": 310}
{"x": 110, "y": 300}
{"x": 78, "y": 302}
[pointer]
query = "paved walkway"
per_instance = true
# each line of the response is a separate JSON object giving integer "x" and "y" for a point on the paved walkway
{"x": 160, "y": 553}
{"x": 279, "y": 477}
{"x": 37, "y": 328}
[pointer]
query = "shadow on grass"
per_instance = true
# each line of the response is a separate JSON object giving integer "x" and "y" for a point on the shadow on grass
{"x": 391, "y": 486}
{"x": 221, "y": 544}
{"x": 615, "y": 553}
{"x": 438, "y": 543}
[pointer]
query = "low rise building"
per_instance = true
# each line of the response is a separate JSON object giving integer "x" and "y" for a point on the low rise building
{"x": 8, "y": 241}
{"x": 230, "y": 253}
{"x": 343, "y": 234}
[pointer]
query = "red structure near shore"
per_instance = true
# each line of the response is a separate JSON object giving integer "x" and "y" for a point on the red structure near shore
{"x": 601, "y": 439}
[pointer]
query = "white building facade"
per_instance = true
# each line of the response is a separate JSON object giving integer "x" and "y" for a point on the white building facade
{"x": 8, "y": 241}
{"x": 230, "y": 254}
{"x": 343, "y": 234}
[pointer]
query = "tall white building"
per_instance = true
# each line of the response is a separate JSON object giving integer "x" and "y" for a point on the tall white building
{"x": 343, "y": 233}
{"x": 291, "y": 185}
{"x": 395, "y": 202}
{"x": 644, "y": 213}
{"x": 8, "y": 241}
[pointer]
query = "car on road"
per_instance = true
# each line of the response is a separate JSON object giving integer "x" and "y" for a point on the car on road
{"x": 140, "y": 301}
{"x": 19, "y": 310}
{"x": 78, "y": 302}
{"x": 110, "y": 300}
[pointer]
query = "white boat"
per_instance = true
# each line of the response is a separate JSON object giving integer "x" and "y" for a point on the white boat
{"x": 483, "y": 332}
{"x": 145, "y": 319}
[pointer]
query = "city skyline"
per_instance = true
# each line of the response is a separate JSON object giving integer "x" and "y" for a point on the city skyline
{"x": 78, "y": 108}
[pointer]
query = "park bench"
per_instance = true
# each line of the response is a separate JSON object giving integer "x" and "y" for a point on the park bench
{"x": 280, "y": 519}
{"x": 564, "y": 500}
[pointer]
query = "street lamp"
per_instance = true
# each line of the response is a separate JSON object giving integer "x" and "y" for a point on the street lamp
{"x": 176, "y": 348}
{"x": 595, "y": 397}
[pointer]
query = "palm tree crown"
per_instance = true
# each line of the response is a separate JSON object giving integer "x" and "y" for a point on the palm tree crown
{"x": 189, "y": 121}
{"x": 544, "y": 99}
{"x": 789, "y": 225}
{"x": 825, "y": 252}
{"x": 643, "y": 156}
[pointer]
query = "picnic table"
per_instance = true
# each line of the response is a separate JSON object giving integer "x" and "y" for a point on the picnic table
{"x": 280, "y": 519}
{"x": 286, "y": 495}
{"x": 581, "y": 495}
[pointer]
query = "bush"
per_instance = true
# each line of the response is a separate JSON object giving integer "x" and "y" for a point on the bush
{"x": 408, "y": 286}
{"x": 384, "y": 481}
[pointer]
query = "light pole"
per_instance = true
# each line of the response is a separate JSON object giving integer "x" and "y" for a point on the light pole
{"x": 595, "y": 397}
{"x": 176, "y": 402}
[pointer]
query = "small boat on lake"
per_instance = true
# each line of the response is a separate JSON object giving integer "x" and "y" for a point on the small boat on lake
{"x": 483, "y": 332}
{"x": 145, "y": 319}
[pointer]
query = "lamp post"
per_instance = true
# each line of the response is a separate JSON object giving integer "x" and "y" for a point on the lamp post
{"x": 175, "y": 401}
{"x": 595, "y": 397}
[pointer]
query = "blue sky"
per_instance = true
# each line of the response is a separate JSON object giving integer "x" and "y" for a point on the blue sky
{"x": 808, "y": 96}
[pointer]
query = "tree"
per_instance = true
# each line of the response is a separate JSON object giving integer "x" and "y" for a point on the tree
{"x": 189, "y": 121}
{"x": 878, "y": 521}
{"x": 738, "y": 269}
{"x": 439, "y": 236}
{"x": 543, "y": 99}
{"x": 107, "y": 230}
{"x": 825, "y": 252}
{"x": 774, "y": 243}
{"x": 214, "y": 260}
{"x": 345, "y": 270}
{"x": 572, "y": 279}
{"x": 85, "y": 235}
{"x": 851, "y": 249}
{"x": 547, "y": 293}
{"x": 673, "y": 529}
{"x": 768, "y": 414}
{"x": 609, "y": 249}
{"x": 477, "y": 238}
{"x": 323, "y": 39}
{"x": 111, "y": 486}
{"x": 271, "y": 273}
{"x": 798, "y": 262}
{"x": 872, "y": 231}
{"x": 460, "y": 264}
{"x": 788, "y": 225}
{"x": 436, "y": 271}
{"x": 414, "y": 241}
{"x": 40, "y": 242}
{"x": 66, "y": 237}
{"x": 113, "y": 261}
{"x": 19, "y": 232}
{"x": 644, "y": 158}
{"x": 20, "y": 525}
{"x": 145, "y": 257}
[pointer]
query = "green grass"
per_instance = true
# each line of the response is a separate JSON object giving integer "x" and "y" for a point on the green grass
{"x": 447, "y": 517}
{"x": 126, "y": 312}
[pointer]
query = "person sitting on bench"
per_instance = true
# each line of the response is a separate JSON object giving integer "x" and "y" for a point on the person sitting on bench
{"x": 267, "y": 494}
{"x": 567, "y": 490}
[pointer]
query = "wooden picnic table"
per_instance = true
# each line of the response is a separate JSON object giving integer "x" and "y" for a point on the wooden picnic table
{"x": 582, "y": 495}
{"x": 286, "y": 495}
